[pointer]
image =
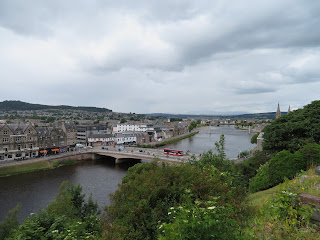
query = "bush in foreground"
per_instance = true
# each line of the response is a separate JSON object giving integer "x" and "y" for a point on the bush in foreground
{"x": 149, "y": 190}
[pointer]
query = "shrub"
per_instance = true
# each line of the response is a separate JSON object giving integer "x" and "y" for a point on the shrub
{"x": 9, "y": 223}
{"x": 248, "y": 168}
{"x": 200, "y": 220}
{"x": 68, "y": 217}
{"x": 285, "y": 165}
{"x": 149, "y": 190}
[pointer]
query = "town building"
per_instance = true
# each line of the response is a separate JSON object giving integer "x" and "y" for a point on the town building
{"x": 84, "y": 131}
{"x": 52, "y": 140}
{"x": 18, "y": 141}
{"x": 102, "y": 139}
{"x": 70, "y": 129}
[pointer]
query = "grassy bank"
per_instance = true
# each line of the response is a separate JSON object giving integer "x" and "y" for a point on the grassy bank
{"x": 161, "y": 144}
{"x": 277, "y": 214}
{"x": 25, "y": 168}
{"x": 242, "y": 128}
{"x": 61, "y": 163}
{"x": 32, "y": 167}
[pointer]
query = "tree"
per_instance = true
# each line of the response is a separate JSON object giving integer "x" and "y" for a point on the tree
{"x": 254, "y": 138}
{"x": 69, "y": 216}
{"x": 9, "y": 223}
{"x": 294, "y": 130}
{"x": 192, "y": 126}
{"x": 150, "y": 189}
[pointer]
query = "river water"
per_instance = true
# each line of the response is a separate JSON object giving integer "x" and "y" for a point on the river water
{"x": 35, "y": 190}
{"x": 100, "y": 177}
{"x": 236, "y": 141}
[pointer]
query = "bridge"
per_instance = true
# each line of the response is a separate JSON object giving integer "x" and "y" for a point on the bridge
{"x": 141, "y": 154}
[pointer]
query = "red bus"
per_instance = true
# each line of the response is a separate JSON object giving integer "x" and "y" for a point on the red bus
{"x": 173, "y": 152}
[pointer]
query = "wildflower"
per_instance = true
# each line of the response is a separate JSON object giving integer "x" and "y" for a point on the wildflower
{"x": 210, "y": 208}
{"x": 172, "y": 208}
{"x": 169, "y": 213}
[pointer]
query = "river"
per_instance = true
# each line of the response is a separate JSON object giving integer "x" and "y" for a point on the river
{"x": 236, "y": 141}
{"x": 100, "y": 177}
{"x": 35, "y": 190}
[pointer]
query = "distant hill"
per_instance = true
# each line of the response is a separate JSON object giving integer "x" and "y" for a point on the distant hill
{"x": 23, "y": 106}
{"x": 269, "y": 115}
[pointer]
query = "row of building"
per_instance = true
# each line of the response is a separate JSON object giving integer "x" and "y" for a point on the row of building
{"x": 22, "y": 141}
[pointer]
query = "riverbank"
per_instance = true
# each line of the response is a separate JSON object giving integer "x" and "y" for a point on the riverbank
{"x": 170, "y": 141}
{"x": 44, "y": 163}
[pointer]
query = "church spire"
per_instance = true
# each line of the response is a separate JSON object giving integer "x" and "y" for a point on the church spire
{"x": 289, "y": 110}
{"x": 278, "y": 114}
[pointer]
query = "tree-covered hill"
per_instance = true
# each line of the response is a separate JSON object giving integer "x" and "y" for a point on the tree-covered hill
{"x": 294, "y": 130}
{"x": 23, "y": 106}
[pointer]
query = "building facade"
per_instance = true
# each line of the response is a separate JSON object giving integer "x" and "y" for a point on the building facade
{"x": 18, "y": 141}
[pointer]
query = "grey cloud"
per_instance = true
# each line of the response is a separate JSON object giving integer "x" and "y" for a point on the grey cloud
{"x": 255, "y": 90}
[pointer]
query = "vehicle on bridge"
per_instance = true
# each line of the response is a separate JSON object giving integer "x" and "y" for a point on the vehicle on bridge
{"x": 173, "y": 152}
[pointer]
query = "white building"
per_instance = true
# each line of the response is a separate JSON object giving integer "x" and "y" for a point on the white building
{"x": 100, "y": 139}
{"x": 125, "y": 138}
{"x": 133, "y": 128}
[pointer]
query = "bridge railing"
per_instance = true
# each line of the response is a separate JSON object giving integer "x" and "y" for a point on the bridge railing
{"x": 144, "y": 155}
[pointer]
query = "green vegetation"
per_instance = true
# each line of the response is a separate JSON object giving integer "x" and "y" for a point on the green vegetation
{"x": 193, "y": 200}
{"x": 291, "y": 132}
{"x": 10, "y": 222}
{"x": 33, "y": 166}
{"x": 192, "y": 126}
{"x": 285, "y": 165}
{"x": 277, "y": 213}
{"x": 176, "y": 119}
{"x": 18, "y": 105}
{"x": 60, "y": 163}
{"x": 150, "y": 190}
{"x": 24, "y": 168}
{"x": 69, "y": 216}
{"x": 254, "y": 138}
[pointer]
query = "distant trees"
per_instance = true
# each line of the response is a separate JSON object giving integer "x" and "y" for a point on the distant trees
{"x": 192, "y": 125}
{"x": 176, "y": 120}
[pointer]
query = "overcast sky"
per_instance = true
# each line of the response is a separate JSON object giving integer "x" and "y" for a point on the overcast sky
{"x": 145, "y": 56}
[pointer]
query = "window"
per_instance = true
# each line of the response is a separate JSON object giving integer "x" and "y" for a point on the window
{"x": 19, "y": 147}
{"x": 30, "y": 145}
{"x": 18, "y": 139}
{"x": 5, "y": 139}
{"x": 5, "y": 132}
